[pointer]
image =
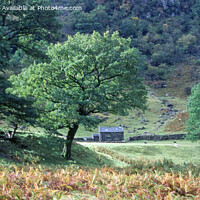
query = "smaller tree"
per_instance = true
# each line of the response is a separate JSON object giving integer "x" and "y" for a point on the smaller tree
{"x": 128, "y": 28}
{"x": 193, "y": 123}
{"x": 15, "y": 111}
{"x": 187, "y": 43}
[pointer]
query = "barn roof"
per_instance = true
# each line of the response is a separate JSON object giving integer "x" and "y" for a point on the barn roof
{"x": 116, "y": 129}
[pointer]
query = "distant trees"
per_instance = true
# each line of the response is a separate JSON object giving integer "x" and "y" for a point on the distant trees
{"x": 167, "y": 32}
{"x": 17, "y": 28}
{"x": 187, "y": 43}
{"x": 87, "y": 74}
{"x": 193, "y": 123}
{"x": 21, "y": 33}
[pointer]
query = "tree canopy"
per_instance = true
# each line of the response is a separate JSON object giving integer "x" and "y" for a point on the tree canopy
{"x": 22, "y": 32}
{"x": 87, "y": 74}
{"x": 193, "y": 123}
{"x": 17, "y": 28}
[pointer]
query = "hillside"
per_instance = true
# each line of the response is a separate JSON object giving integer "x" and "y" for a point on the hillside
{"x": 165, "y": 31}
{"x": 154, "y": 120}
{"x": 159, "y": 118}
{"x": 167, "y": 35}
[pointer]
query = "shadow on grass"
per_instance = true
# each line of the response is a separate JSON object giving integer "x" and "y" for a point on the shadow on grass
{"x": 46, "y": 150}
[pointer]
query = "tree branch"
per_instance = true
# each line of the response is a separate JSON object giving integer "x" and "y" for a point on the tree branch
{"x": 77, "y": 82}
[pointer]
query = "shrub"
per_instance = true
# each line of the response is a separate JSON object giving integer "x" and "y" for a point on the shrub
{"x": 187, "y": 90}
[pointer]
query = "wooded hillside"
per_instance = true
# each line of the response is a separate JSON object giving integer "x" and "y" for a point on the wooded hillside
{"x": 165, "y": 31}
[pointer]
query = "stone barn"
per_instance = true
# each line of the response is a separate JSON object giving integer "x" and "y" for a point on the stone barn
{"x": 110, "y": 134}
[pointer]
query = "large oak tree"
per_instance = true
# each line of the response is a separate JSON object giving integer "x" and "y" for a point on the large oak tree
{"x": 87, "y": 74}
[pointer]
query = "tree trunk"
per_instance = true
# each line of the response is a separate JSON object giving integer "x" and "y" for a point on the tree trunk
{"x": 70, "y": 137}
{"x": 12, "y": 133}
{"x": 15, "y": 129}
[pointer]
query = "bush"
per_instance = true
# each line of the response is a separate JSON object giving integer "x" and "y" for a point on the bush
{"x": 187, "y": 90}
{"x": 193, "y": 123}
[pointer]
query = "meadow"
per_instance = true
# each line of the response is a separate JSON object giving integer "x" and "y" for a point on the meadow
{"x": 31, "y": 166}
{"x": 187, "y": 152}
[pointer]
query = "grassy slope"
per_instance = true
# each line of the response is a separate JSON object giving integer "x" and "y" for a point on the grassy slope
{"x": 46, "y": 150}
{"x": 132, "y": 121}
{"x": 184, "y": 75}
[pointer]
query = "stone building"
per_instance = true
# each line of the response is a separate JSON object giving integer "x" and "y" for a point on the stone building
{"x": 110, "y": 134}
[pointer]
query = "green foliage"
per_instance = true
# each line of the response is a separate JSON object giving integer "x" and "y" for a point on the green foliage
{"x": 165, "y": 31}
{"x": 155, "y": 73}
{"x": 15, "y": 111}
{"x": 193, "y": 123}
{"x": 87, "y": 74}
{"x": 187, "y": 43}
{"x": 21, "y": 34}
{"x": 128, "y": 28}
{"x": 5, "y": 50}
{"x": 19, "y": 28}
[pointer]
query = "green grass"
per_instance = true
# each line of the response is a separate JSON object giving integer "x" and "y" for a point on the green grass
{"x": 46, "y": 150}
{"x": 186, "y": 152}
{"x": 43, "y": 149}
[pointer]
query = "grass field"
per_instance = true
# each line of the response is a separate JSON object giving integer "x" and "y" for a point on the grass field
{"x": 46, "y": 150}
{"x": 186, "y": 152}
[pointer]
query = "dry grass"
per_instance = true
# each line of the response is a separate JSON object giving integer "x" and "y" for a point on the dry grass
{"x": 35, "y": 182}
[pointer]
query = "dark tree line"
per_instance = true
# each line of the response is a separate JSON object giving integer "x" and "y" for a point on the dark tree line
{"x": 21, "y": 35}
